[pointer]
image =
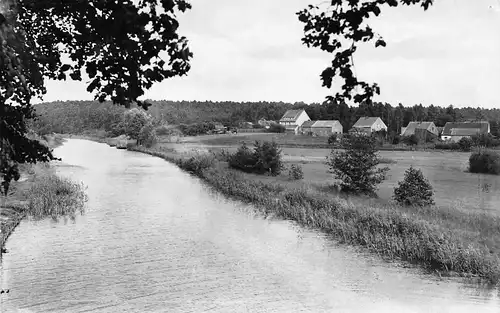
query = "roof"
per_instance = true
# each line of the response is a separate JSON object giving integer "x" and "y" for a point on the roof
{"x": 483, "y": 127}
{"x": 366, "y": 121}
{"x": 465, "y": 131}
{"x": 410, "y": 129}
{"x": 291, "y": 115}
{"x": 308, "y": 123}
{"x": 325, "y": 124}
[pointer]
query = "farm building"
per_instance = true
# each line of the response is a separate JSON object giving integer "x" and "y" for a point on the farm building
{"x": 456, "y": 131}
{"x": 423, "y": 130}
{"x": 293, "y": 119}
{"x": 368, "y": 125}
{"x": 321, "y": 128}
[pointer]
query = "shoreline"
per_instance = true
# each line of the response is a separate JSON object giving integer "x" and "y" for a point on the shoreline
{"x": 418, "y": 243}
{"x": 14, "y": 208}
{"x": 392, "y": 233}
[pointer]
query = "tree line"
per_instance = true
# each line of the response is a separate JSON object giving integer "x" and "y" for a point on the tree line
{"x": 77, "y": 116}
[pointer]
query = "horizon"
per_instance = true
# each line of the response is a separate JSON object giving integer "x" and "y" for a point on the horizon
{"x": 245, "y": 54}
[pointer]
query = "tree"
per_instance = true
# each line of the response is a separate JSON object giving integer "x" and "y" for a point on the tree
{"x": 415, "y": 189}
{"x": 357, "y": 167}
{"x": 337, "y": 27}
{"x": 117, "y": 43}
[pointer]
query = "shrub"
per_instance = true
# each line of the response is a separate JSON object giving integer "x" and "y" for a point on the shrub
{"x": 484, "y": 161}
{"x": 332, "y": 139}
{"x": 243, "y": 160}
{"x": 196, "y": 129}
{"x": 147, "y": 136}
{"x": 356, "y": 167}
{"x": 197, "y": 163}
{"x": 276, "y": 128}
{"x": 465, "y": 143}
{"x": 415, "y": 189}
{"x": 396, "y": 139}
{"x": 268, "y": 156}
{"x": 295, "y": 172}
{"x": 447, "y": 146}
{"x": 411, "y": 140}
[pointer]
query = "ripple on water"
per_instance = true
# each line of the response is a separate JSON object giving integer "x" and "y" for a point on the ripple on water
{"x": 154, "y": 240}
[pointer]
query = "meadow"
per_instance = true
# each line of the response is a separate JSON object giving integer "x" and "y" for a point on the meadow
{"x": 447, "y": 171}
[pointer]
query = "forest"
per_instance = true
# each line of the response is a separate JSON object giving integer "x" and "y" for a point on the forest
{"x": 77, "y": 116}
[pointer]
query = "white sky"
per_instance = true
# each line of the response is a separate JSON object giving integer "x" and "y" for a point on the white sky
{"x": 250, "y": 50}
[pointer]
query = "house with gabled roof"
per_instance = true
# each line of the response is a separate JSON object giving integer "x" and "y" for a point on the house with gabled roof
{"x": 368, "y": 125}
{"x": 322, "y": 128}
{"x": 423, "y": 130}
{"x": 456, "y": 131}
{"x": 293, "y": 119}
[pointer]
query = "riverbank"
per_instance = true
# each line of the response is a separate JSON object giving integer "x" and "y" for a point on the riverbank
{"x": 450, "y": 242}
{"x": 39, "y": 193}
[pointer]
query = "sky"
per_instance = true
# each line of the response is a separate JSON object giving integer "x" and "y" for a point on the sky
{"x": 251, "y": 50}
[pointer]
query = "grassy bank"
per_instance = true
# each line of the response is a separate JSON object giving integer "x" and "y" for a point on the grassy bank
{"x": 40, "y": 193}
{"x": 449, "y": 241}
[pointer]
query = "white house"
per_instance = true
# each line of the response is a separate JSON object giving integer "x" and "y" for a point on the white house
{"x": 368, "y": 125}
{"x": 293, "y": 119}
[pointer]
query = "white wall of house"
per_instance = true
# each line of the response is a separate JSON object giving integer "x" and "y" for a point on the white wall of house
{"x": 378, "y": 125}
{"x": 302, "y": 118}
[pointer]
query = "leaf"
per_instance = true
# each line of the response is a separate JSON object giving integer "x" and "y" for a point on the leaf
{"x": 380, "y": 42}
{"x": 65, "y": 67}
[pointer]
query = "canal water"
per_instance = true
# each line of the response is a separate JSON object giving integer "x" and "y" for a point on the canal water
{"x": 154, "y": 239}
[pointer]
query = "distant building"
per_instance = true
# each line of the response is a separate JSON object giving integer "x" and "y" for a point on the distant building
{"x": 293, "y": 119}
{"x": 265, "y": 123}
{"x": 368, "y": 125}
{"x": 456, "y": 131}
{"x": 423, "y": 130}
{"x": 322, "y": 128}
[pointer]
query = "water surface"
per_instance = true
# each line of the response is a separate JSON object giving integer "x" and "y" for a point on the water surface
{"x": 154, "y": 239}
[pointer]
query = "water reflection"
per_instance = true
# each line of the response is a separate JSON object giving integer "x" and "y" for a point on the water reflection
{"x": 154, "y": 239}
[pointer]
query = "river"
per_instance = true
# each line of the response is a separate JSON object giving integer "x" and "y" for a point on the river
{"x": 154, "y": 239}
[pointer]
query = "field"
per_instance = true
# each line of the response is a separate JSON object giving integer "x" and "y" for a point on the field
{"x": 447, "y": 171}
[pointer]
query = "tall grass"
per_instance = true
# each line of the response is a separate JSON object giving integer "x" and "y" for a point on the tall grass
{"x": 54, "y": 196}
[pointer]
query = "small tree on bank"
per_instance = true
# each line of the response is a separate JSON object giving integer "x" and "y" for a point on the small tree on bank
{"x": 415, "y": 189}
{"x": 357, "y": 167}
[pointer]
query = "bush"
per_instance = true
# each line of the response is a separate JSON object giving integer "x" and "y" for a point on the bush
{"x": 411, "y": 140}
{"x": 484, "y": 161}
{"x": 276, "y": 128}
{"x": 266, "y": 158}
{"x": 243, "y": 160}
{"x": 485, "y": 140}
{"x": 295, "y": 172}
{"x": 415, "y": 189}
{"x": 465, "y": 143}
{"x": 147, "y": 136}
{"x": 197, "y": 163}
{"x": 332, "y": 139}
{"x": 196, "y": 129}
{"x": 133, "y": 122}
{"x": 356, "y": 167}
{"x": 447, "y": 146}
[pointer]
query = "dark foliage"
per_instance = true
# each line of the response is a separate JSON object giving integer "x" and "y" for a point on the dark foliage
{"x": 414, "y": 190}
{"x": 276, "y": 128}
{"x": 295, "y": 172}
{"x": 465, "y": 144}
{"x": 357, "y": 167}
{"x": 117, "y": 43}
{"x": 411, "y": 140}
{"x": 265, "y": 158}
{"x": 485, "y": 161}
{"x": 338, "y": 27}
